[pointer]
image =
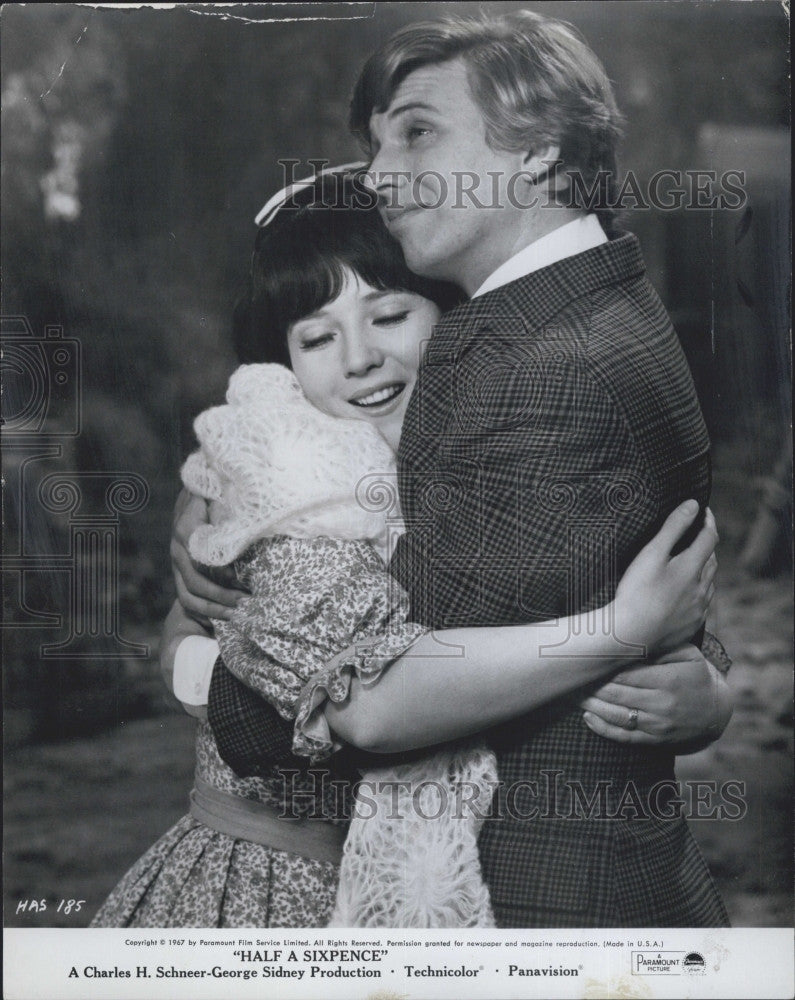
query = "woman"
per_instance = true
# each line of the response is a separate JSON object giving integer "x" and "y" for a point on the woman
{"x": 331, "y": 290}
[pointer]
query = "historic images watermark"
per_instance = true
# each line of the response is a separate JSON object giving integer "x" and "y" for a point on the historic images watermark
{"x": 666, "y": 190}
{"x": 319, "y": 794}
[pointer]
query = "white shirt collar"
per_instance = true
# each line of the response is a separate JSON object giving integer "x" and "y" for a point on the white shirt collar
{"x": 574, "y": 237}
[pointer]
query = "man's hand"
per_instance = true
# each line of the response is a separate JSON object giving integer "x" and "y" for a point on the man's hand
{"x": 201, "y": 597}
{"x": 681, "y": 700}
{"x": 177, "y": 626}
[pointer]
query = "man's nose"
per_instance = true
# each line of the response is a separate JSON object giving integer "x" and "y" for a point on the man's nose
{"x": 385, "y": 179}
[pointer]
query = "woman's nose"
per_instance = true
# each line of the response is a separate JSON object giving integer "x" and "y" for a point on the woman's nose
{"x": 361, "y": 355}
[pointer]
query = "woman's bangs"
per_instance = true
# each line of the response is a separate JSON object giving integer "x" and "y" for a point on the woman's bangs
{"x": 304, "y": 285}
{"x": 301, "y": 262}
{"x": 316, "y": 252}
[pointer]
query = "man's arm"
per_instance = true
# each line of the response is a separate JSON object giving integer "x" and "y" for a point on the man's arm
{"x": 181, "y": 634}
{"x": 504, "y": 672}
{"x": 201, "y": 597}
{"x": 500, "y": 538}
{"x": 671, "y": 700}
{"x": 249, "y": 732}
{"x": 562, "y": 462}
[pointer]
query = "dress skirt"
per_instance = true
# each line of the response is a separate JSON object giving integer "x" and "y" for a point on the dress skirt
{"x": 196, "y": 877}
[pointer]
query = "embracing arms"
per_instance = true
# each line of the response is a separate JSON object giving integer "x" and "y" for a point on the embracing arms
{"x": 497, "y": 673}
{"x": 493, "y": 674}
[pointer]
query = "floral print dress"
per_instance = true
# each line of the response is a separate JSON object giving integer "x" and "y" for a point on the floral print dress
{"x": 312, "y": 598}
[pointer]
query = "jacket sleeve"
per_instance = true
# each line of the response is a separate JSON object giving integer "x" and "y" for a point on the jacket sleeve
{"x": 250, "y": 734}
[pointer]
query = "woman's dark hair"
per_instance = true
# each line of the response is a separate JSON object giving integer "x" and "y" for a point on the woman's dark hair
{"x": 300, "y": 258}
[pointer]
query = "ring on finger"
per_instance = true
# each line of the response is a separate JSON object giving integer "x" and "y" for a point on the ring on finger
{"x": 632, "y": 721}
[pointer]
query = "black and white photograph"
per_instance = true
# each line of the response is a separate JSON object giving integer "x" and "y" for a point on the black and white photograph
{"x": 397, "y": 500}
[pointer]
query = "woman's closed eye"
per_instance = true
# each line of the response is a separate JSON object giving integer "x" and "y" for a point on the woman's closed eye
{"x": 392, "y": 319}
{"x": 310, "y": 342}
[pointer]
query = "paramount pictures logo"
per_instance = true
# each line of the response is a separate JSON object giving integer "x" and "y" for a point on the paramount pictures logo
{"x": 668, "y": 963}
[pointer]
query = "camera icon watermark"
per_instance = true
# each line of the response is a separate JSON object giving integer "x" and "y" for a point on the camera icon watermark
{"x": 41, "y": 379}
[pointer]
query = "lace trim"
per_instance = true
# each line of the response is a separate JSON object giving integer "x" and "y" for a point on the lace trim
{"x": 367, "y": 660}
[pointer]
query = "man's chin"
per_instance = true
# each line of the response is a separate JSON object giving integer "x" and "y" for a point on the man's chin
{"x": 421, "y": 260}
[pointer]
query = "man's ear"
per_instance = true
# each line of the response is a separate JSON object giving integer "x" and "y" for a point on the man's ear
{"x": 541, "y": 165}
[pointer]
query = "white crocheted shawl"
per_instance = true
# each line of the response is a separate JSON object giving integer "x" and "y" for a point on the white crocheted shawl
{"x": 271, "y": 464}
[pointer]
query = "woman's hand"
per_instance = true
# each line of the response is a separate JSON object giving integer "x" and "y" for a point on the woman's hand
{"x": 177, "y": 626}
{"x": 662, "y": 600}
{"x": 682, "y": 700}
{"x": 201, "y": 597}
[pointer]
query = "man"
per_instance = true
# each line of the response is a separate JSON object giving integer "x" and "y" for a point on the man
{"x": 553, "y": 427}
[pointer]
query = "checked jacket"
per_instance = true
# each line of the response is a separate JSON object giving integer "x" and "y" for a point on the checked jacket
{"x": 553, "y": 427}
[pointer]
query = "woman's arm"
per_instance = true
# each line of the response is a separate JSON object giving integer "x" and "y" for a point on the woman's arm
{"x": 503, "y": 672}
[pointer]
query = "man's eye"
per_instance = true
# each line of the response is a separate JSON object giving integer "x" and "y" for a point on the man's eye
{"x": 415, "y": 132}
{"x": 308, "y": 343}
{"x": 392, "y": 319}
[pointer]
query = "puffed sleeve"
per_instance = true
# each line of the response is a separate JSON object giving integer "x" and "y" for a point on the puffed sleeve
{"x": 311, "y": 599}
{"x": 367, "y": 660}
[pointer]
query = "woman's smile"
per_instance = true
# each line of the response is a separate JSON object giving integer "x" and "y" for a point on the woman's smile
{"x": 358, "y": 356}
{"x": 380, "y": 397}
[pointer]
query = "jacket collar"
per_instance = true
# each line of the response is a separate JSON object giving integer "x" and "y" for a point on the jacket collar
{"x": 535, "y": 298}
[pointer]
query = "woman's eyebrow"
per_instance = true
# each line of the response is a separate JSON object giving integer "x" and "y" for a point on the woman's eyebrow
{"x": 382, "y": 293}
{"x": 318, "y": 314}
